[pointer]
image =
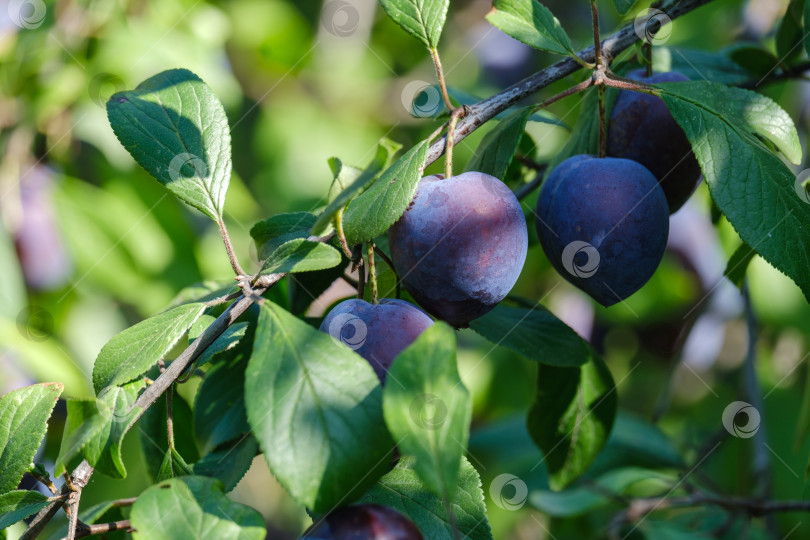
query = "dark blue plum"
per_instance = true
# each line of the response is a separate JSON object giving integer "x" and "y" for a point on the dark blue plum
{"x": 377, "y": 332}
{"x": 642, "y": 129}
{"x": 460, "y": 246}
{"x": 364, "y": 522}
{"x": 603, "y": 224}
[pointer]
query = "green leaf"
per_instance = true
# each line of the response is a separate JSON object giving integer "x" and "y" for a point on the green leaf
{"x": 132, "y": 352}
{"x": 699, "y": 65}
{"x": 227, "y": 340}
{"x": 535, "y": 334}
{"x": 402, "y": 490}
{"x": 18, "y": 505}
{"x": 301, "y": 255}
{"x": 755, "y": 59}
{"x": 789, "y": 35}
{"x": 571, "y": 417}
{"x": 82, "y": 424}
{"x": 372, "y": 213}
{"x": 748, "y": 182}
{"x": 24, "y": 415}
{"x": 498, "y": 147}
{"x": 623, "y": 6}
{"x": 173, "y": 466}
{"x": 423, "y": 19}
{"x": 428, "y": 409}
{"x": 311, "y": 403}
{"x": 203, "y": 292}
{"x": 273, "y": 232}
{"x": 153, "y": 438}
{"x": 636, "y": 442}
{"x": 115, "y": 406}
{"x": 807, "y": 25}
{"x": 219, "y": 408}
{"x": 193, "y": 507}
{"x": 229, "y": 463}
{"x": 349, "y": 181}
{"x": 532, "y": 23}
{"x": 738, "y": 264}
{"x": 175, "y": 128}
{"x": 581, "y": 500}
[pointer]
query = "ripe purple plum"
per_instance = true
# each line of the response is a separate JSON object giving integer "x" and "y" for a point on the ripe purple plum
{"x": 642, "y": 129}
{"x": 603, "y": 224}
{"x": 460, "y": 246}
{"x": 364, "y": 522}
{"x": 377, "y": 332}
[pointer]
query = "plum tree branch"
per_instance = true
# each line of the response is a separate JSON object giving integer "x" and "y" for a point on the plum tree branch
{"x": 487, "y": 109}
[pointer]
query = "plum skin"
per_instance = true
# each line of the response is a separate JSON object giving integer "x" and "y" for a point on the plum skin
{"x": 460, "y": 246}
{"x": 614, "y": 205}
{"x": 642, "y": 129}
{"x": 377, "y": 332}
{"x": 364, "y": 522}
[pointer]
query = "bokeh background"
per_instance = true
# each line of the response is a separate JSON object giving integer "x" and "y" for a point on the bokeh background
{"x": 90, "y": 244}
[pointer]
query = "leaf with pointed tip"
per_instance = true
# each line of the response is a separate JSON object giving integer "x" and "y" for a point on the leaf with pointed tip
{"x": 193, "y": 507}
{"x": 175, "y": 128}
{"x": 132, "y": 352}
{"x": 535, "y": 334}
{"x": 219, "y": 408}
{"x": 24, "y": 415}
{"x": 18, "y": 505}
{"x": 749, "y": 183}
{"x": 423, "y": 19}
{"x": 173, "y": 465}
{"x": 532, "y": 23}
{"x": 311, "y": 403}
{"x": 229, "y": 463}
{"x": 380, "y": 206}
{"x": 498, "y": 147}
{"x": 428, "y": 409}
{"x": 273, "y": 232}
{"x": 115, "y": 406}
{"x": 571, "y": 417}
{"x": 350, "y": 181}
{"x": 301, "y": 255}
{"x": 402, "y": 490}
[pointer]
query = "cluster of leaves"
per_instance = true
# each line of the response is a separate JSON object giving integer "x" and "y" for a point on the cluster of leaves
{"x": 275, "y": 385}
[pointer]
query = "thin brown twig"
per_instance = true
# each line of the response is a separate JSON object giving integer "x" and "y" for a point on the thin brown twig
{"x": 101, "y": 528}
{"x": 372, "y": 272}
{"x": 226, "y": 239}
{"x": 437, "y": 63}
{"x": 390, "y": 264}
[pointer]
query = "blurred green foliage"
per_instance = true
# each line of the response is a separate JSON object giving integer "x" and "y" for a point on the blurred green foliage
{"x": 117, "y": 248}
